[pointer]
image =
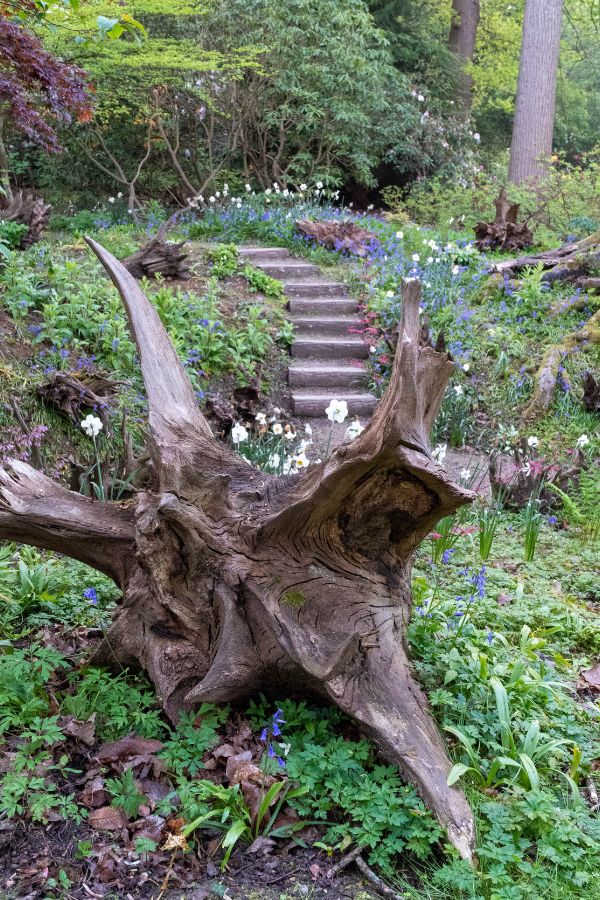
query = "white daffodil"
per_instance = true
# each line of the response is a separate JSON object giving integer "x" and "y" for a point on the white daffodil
{"x": 582, "y": 441}
{"x": 455, "y": 270}
{"x": 458, "y": 390}
{"x": 274, "y": 460}
{"x": 415, "y": 257}
{"x": 307, "y": 428}
{"x": 319, "y": 185}
{"x": 111, "y": 199}
{"x": 239, "y": 433}
{"x": 290, "y": 434}
{"x": 277, "y": 428}
{"x": 399, "y": 235}
{"x": 389, "y": 293}
{"x": 353, "y": 430}
{"x": 465, "y": 474}
{"x": 466, "y": 367}
{"x": 92, "y": 426}
{"x": 248, "y": 188}
{"x": 303, "y": 187}
{"x": 211, "y": 199}
{"x": 261, "y": 418}
{"x": 532, "y": 441}
{"x": 439, "y": 453}
{"x": 337, "y": 411}
{"x": 300, "y": 461}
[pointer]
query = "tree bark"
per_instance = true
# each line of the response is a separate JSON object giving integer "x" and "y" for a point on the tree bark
{"x": 461, "y": 41}
{"x": 533, "y": 125}
{"x": 236, "y": 581}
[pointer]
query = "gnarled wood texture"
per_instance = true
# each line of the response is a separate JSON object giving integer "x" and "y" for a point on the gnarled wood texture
{"x": 243, "y": 581}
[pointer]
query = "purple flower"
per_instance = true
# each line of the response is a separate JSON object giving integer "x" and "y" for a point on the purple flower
{"x": 490, "y": 637}
{"x": 91, "y": 595}
{"x": 447, "y": 555}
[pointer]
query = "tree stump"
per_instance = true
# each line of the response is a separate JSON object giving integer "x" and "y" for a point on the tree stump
{"x": 342, "y": 236}
{"x": 27, "y": 209}
{"x": 158, "y": 257}
{"x": 236, "y": 581}
{"x": 504, "y": 233}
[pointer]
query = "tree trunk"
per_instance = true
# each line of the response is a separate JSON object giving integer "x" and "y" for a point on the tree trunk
{"x": 236, "y": 581}
{"x": 533, "y": 125}
{"x": 461, "y": 41}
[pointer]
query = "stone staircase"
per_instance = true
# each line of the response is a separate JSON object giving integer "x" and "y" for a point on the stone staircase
{"x": 327, "y": 359}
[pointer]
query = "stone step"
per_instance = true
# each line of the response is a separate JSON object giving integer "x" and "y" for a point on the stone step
{"x": 315, "y": 403}
{"x": 332, "y": 325}
{"x": 262, "y": 254}
{"x": 315, "y": 288}
{"x": 323, "y": 347}
{"x": 292, "y": 270}
{"x": 318, "y": 374}
{"x": 321, "y": 306}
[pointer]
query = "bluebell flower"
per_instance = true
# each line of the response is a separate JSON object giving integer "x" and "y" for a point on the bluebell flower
{"x": 91, "y": 595}
{"x": 490, "y": 637}
{"x": 447, "y": 555}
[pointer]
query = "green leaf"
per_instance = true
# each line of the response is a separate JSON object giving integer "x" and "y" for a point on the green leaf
{"x": 456, "y": 772}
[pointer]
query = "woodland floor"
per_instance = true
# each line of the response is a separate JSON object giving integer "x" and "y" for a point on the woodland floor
{"x": 535, "y": 626}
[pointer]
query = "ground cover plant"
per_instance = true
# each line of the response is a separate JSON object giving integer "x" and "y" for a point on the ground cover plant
{"x": 500, "y": 630}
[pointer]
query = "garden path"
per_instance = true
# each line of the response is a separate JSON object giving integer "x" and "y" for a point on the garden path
{"x": 327, "y": 352}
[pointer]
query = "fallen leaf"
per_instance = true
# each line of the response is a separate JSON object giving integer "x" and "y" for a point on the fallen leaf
{"x": 592, "y": 676}
{"x": 127, "y": 747}
{"x": 262, "y": 845}
{"x": 81, "y": 731}
{"x": 107, "y": 818}
{"x": 93, "y": 794}
{"x": 502, "y": 599}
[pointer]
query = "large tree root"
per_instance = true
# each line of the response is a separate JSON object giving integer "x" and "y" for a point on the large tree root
{"x": 577, "y": 263}
{"x": 235, "y": 581}
{"x": 548, "y": 371}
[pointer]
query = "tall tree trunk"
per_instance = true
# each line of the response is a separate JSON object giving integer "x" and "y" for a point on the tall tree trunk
{"x": 236, "y": 581}
{"x": 461, "y": 40}
{"x": 4, "y": 173}
{"x": 533, "y": 126}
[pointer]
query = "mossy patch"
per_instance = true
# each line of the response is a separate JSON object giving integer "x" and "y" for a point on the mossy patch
{"x": 293, "y": 598}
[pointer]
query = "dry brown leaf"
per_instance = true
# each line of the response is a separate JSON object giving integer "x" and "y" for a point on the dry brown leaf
{"x": 592, "y": 676}
{"x": 107, "y": 818}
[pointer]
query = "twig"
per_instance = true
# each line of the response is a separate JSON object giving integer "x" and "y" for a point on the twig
{"x": 344, "y": 861}
{"x": 379, "y": 883}
{"x": 165, "y": 881}
{"x": 594, "y": 803}
{"x": 36, "y": 453}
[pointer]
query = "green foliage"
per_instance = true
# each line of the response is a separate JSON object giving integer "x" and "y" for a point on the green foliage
{"x": 260, "y": 281}
{"x": 11, "y": 234}
{"x": 224, "y": 260}
{"x": 121, "y": 705}
{"x": 224, "y": 809}
{"x": 125, "y": 793}
{"x": 379, "y": 811}
{"x": 195, "y": 734}
{"x": 24, "y": 677}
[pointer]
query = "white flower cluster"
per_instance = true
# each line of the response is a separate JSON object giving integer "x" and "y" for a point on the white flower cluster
{"x": 92, "y": 426}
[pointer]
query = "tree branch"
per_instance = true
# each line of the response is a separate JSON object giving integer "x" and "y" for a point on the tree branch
{"x": 35, "y": 510}
{"x": 181, "y": 439}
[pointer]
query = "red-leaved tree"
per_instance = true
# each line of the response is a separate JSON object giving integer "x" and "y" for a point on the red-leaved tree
{"x": 38, "y": 91}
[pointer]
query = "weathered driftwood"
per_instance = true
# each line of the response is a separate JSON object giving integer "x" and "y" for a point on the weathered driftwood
{"x": 236, "y": 581}
{"x": 547, "y": 373}
{"x": 591, "y": 393}
{"x": 158, "y": 257}
{"x": 577, "y": 262}
{"x": 27, "y": 209}
{"x": 504, "y": 233}
{"x": 343, "y": 236}
{"x": 68, "y": 393}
